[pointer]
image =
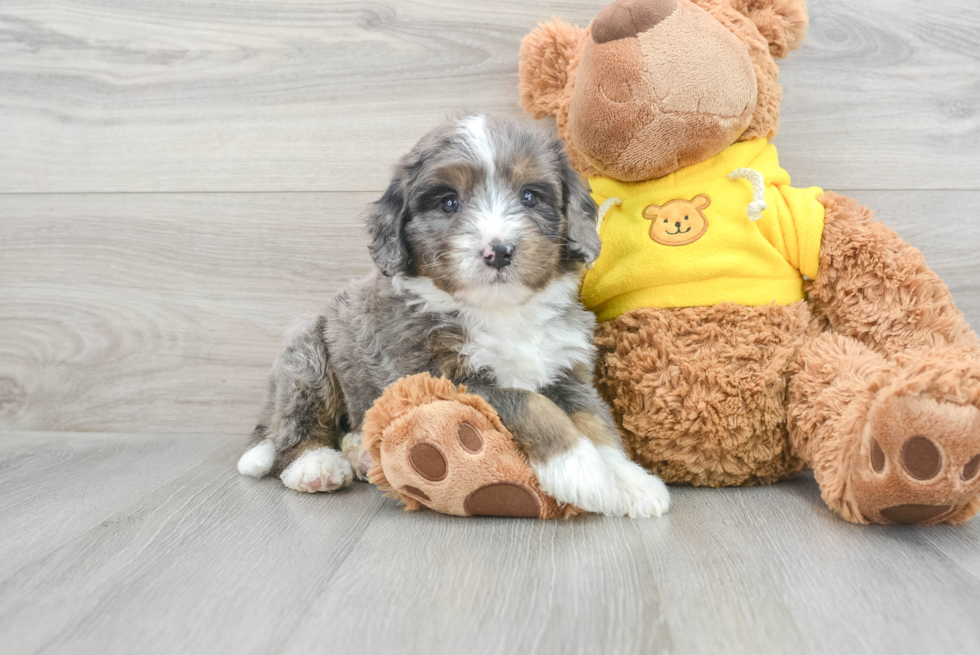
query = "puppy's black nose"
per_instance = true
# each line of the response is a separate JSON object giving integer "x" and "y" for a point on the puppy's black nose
{"x": 498, "y": 255}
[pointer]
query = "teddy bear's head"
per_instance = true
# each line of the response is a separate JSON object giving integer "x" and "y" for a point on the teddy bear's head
{"x": 651, "y": 86}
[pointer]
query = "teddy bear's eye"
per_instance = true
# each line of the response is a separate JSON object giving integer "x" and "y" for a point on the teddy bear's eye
{"x": 685, "y": 218}
{"x": 665, "y": 220}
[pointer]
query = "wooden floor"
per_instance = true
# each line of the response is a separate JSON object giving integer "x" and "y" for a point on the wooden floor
{"x": 178, "y": 180}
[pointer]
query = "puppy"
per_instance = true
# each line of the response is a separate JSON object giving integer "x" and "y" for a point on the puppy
{"x": 480, "y": 242}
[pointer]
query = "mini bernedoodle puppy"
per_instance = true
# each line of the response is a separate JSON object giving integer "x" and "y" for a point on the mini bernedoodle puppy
{"x": 480, "y": 242}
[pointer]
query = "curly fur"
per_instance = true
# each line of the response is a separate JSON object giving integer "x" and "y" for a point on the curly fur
{"x": 876, "y": 288}
{"x": 700, "y": 392}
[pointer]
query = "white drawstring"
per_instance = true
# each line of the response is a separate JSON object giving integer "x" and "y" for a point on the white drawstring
{"x": 605, "y": 207}
{"x": 754, "y": 177}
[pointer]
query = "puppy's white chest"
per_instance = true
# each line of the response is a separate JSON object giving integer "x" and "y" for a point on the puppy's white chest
{"x": 526, "y": 346}
{"x": 523, "y": 350}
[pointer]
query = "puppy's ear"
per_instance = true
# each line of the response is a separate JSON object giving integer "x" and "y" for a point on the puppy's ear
{"x": 580, "y": 212}
{"x": 547, "y": 56}
{"x": 386, "y": 224}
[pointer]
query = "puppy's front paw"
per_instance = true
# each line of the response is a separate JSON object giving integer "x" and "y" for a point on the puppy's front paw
{"x": 360, "y": 459}
{"x": 644, "y": 495}
{"x": 580, "y": 476}
{"x": 324, "y": 469}
{"x": 257, "y": 461}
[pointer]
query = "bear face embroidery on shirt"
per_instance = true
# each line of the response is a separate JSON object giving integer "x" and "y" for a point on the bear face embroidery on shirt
{"x": 678, "y": 222}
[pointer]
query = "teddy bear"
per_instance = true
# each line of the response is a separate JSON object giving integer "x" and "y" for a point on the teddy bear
{"x": 748, "y": 329}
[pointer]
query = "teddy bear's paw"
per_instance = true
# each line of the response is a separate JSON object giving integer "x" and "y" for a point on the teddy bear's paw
{"x": 323, "y": 469}
{"x": 359, "y": 458}
{"x": 919, "y": 462}
{"x": 449, "y": 458}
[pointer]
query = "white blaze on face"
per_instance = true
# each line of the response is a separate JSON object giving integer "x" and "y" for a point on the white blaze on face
{"x": 479, "y": 143}
{"x": 493, "y": 215}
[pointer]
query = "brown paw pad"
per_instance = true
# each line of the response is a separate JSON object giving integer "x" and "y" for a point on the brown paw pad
{"x": 921, "y": 458}
{"x": 416, "y": 493}
{"x": 503, "y": 499}
{"x": 449, "y": 457}
{"x": 971, "y": 469}
{"x": 922, "y": 462}
{"x": 428, "y": 461}
{"x": 913, "y": 514}
{"x": 469, "y": 438}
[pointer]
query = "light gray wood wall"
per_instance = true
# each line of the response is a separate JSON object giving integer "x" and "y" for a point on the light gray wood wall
{"x": 180, "y": 180}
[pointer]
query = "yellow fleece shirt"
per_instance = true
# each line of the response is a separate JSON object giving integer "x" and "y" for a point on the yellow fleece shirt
{"x": 687, "y": 239}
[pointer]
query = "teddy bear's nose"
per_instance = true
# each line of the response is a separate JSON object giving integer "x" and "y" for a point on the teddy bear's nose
{"x": 624, "y": 19}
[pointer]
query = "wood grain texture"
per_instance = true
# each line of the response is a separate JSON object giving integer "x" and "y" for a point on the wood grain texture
{"x": 211, "y": 562}
{"x": 179, "y": 181}
{"x": 147, "y": 312}
{"x": 261, "y": 95}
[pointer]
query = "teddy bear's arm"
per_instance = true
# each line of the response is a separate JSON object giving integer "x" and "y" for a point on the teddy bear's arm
{"x": 874, "y": 287}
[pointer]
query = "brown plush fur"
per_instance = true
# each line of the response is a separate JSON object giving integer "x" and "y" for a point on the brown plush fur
{"x": 701, "y": 396}
{"x": 700, "y": 392}
{"x": 846, "y": 395}
{"x": 876, "y": 288}
{"x": 874, "y": 381}
{"x": 423, "y": 409}
{"x": 550, "y": 60}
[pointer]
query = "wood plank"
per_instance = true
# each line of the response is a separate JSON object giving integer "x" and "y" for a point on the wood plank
{"x": 211, "y": 562}
{"x": 214, "y": 560}
{"x": 55, "y": 485}
{"x": 164, "y": 312}
{"x": 319, "y": 94}
{"x": 142, "y": 312}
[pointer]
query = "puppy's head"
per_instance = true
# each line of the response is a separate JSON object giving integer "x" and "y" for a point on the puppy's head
{"x": 487, "y": 208}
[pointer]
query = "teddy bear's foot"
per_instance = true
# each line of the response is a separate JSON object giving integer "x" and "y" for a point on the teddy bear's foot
{"x": 890, "y": 440}
{"x": 436, "y": 447}
{"x": 919, "y": 462}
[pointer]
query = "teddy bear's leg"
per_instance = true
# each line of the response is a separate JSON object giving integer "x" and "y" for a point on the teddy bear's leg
{"x": 877, "y": 289}
{"x": 887, "y": 404}
{"x": 889, "y": 441}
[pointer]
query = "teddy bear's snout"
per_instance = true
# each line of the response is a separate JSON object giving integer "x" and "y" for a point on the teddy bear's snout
{"x": 626, "y": 19}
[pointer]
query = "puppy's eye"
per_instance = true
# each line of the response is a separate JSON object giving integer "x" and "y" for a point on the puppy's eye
{"x": 450, "y": 204}
{"x": 528, "y": 198}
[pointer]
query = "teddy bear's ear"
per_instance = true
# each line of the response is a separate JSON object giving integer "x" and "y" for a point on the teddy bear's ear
{"x": 650, "y": 212}
{"x": 701, "y": 201}
{"x": 782, "y": 22}
{"x": 547, "y": 53}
